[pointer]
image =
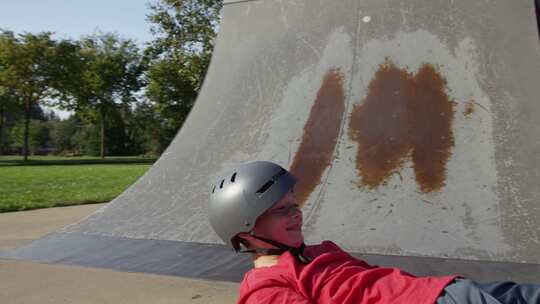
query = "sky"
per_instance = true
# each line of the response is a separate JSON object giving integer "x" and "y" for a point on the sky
{"x": 75, "y": 18}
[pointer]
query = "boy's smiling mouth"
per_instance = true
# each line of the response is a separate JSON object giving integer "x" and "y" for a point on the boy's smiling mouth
{"x": 295, "y": 227}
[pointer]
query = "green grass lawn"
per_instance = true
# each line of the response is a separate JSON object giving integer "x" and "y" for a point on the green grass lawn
{"x": 58, "y": 181}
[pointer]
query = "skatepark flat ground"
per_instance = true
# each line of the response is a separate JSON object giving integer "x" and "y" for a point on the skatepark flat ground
{"x": 30, "y": 282}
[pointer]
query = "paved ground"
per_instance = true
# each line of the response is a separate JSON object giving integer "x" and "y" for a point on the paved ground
{"x": 19, "y": 228}
{"x": 29, "y": 282}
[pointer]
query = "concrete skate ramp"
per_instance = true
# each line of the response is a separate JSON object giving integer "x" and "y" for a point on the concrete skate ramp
{"x": 412, "y": 126}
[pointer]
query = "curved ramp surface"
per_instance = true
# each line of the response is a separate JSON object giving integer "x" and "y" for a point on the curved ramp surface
{"x": 412, "y": 126}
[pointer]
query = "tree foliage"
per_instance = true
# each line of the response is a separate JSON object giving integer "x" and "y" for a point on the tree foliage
{"x": 185, "y": 28}
{"x": 29, "y": 66}
{"x": 8, "y": 107}
{"x": 108, "y": 74}
{"x": 180, "y": 54}
{"x": 125, "y": 101}
{"x": 39, "y": 136}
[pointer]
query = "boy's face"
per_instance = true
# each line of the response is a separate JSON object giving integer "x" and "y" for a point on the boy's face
{"x": 282, "y": 222}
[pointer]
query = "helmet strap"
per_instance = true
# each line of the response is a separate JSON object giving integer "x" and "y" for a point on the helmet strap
{"x": 297, "y": 252}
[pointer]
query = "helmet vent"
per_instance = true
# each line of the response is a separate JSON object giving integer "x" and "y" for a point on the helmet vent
{"x": 213, "y": 189}
{"x": 221, "y": 185}
{"x": 279, "y": 174}
{"x": 265, "y": 187}
{"x": 233, "y": 177}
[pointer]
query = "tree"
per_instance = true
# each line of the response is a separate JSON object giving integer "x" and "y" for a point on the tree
{"x": 29, "y": 65}
{"x": 108, "y": 74}
{"x": 148, "y": 131}
{"x": 179, "y": 56}
{"x": 116, "y": 136}
{"x": 7, "y": 105}
{"x": 185, "y": 31}
{"x": 173, "y": 91}
{"x": 38, "y": 136}
{"x": 63, "y": 132}
{"x": 8, "y": 101}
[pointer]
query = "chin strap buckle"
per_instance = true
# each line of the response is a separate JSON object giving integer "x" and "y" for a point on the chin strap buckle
{"x": 299, "y": 254}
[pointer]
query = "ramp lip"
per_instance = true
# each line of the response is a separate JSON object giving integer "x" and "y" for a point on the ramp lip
{"x": 162, "y": 257}
{"x": 227, "y": 2}
{"x": 537, "y": 6}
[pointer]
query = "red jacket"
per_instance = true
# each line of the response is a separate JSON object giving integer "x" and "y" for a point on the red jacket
{"x": 334, "y": 276}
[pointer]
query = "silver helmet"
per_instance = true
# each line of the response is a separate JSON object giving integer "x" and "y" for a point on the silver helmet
{"x": 240, "y": 197}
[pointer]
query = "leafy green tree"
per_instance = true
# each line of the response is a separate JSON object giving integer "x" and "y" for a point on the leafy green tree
{"x": 8, "y": 101}
{"x": 148, "y": 129}
{"x": 115, "y": 135}
{"x": 11, "y": 114}
{"x": 63, "y": 133}
{"x": 179, "y": 56}
{"x": 81, "y": 140}
{"x": 173, "y": 91}
{"x": 8, "y": 105}
{"x": 109, "y": 74}
{"x": 185, "y": 31}
{"x": 29, "y": 67}
{"x": 38, "y": 136}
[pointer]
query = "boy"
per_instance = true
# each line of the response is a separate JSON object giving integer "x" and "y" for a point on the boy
{"x": 254, "y": 207}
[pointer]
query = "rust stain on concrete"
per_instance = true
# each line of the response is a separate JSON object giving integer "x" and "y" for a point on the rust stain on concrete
{"x": 404, "y": 116}
{"x": 469, "y": 108}
{"x": 431, "y": 128}
{"x": 380, "y": 125}
{"x": 321, "y": 133}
